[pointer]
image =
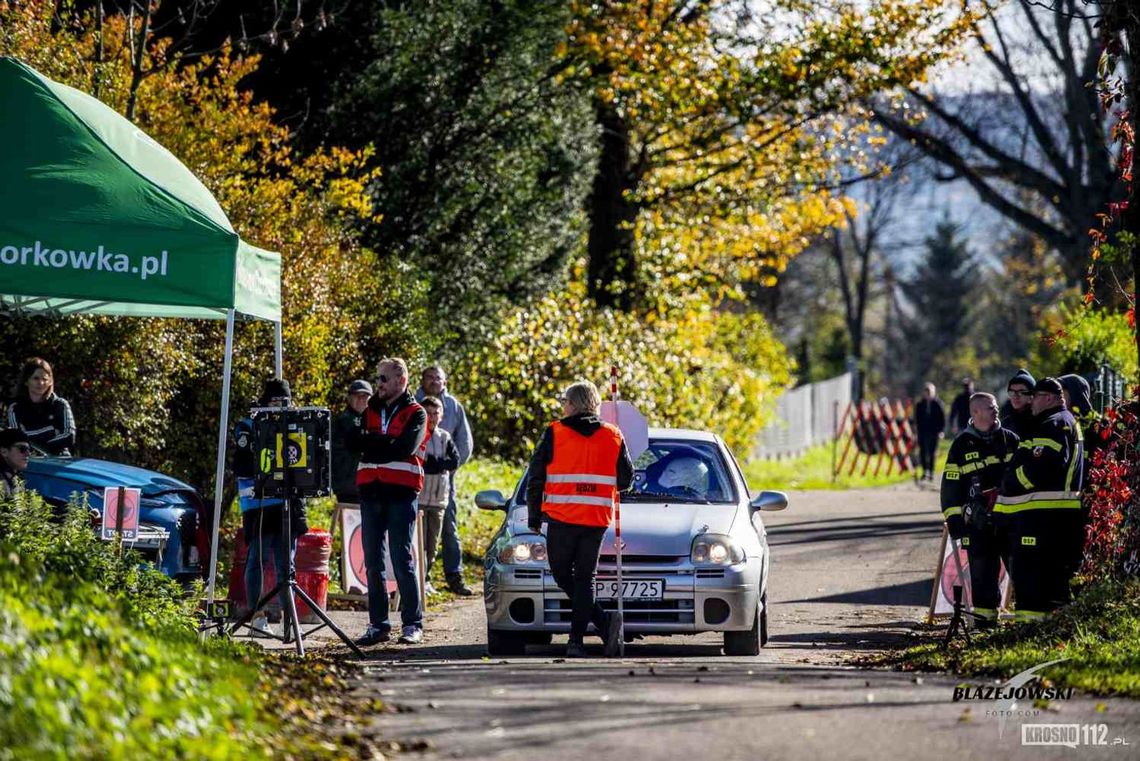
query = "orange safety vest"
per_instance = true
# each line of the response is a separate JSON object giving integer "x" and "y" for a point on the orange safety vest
{"x": 408, "y": 472}
{"x": 581, "y": 479}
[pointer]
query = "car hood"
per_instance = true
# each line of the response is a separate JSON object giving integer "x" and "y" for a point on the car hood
{"x": 89, "y": 473}
{"x": 657, "y": 529}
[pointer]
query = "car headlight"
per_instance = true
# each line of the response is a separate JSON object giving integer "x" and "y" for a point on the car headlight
{"x": 715, "y": 549}
{"x": 523, "y": 550}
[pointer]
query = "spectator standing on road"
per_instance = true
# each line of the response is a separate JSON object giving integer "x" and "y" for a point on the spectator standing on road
{"x": 1040, "y": 505}
{"x": 39, "y": 413}
{"x": 929, "y": 424}
{"x": 14, "y": 451}
{"x": 1017, "y": 412}
{"x": 576, "y": 472}
{"x": 433, "y": 382}
{"x": 960, "y": 408}
{"x": 973, "y": 473}
{"x": 440, "y": 463}
{"x": 392, "y": 443}
{"x": 261, "y": 517}
{"x": 344, "y": 460}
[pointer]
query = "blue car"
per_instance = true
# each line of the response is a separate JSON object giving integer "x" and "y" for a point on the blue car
{"x": 173, "y": 526}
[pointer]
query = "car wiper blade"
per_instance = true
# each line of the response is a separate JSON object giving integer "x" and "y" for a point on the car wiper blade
{"x": 639, "y": 496}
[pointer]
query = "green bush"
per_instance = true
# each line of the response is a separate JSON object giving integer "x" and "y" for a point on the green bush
{"x": 701, "y": 369}
{"x": 1078, "y": 340}
{"x": 100, "y": 657}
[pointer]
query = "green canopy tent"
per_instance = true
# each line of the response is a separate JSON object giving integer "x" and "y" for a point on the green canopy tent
{"x": 98, "y": 218}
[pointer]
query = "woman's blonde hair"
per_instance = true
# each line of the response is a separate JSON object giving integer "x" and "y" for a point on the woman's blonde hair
{"x": 582, "y": 397}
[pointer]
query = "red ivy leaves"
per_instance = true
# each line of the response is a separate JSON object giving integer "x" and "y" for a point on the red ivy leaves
{"x": 1112, "y": 493}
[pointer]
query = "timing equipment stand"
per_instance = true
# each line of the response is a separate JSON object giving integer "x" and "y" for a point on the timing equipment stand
{"x": 294, "y": 443}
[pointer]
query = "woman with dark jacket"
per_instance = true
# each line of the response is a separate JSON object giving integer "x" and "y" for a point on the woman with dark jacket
{"x": 45, "y": 418}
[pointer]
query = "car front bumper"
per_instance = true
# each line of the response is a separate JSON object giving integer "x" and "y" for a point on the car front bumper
{"x": 525, "y": 598}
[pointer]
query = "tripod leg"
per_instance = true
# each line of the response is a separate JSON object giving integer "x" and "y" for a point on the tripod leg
{"x": 249, "y": 614}
{"x": 294, "y": 619}
{"x": 328, "y": 621}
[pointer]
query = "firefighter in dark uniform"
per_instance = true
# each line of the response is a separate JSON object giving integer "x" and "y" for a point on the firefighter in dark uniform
{"x": 974, "y": 467}
{"x": 1040, "y": 504}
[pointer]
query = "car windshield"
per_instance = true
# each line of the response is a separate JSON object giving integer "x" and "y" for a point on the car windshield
{"x": 674, "y": 470}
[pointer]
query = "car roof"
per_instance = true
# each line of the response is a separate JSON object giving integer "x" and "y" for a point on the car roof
{"x": 687, "y": 434}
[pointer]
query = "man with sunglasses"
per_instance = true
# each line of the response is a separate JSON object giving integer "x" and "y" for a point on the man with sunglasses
{"x": 14, "y": 451}
{"x": 1017, "y": 412}
{"x": 392, "y": 443}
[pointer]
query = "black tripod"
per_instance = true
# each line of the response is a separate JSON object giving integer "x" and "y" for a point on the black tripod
{"x": 292, "y": 626}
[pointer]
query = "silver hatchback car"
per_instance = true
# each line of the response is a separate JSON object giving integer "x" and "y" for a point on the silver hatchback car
{"x": 694, "y": 554}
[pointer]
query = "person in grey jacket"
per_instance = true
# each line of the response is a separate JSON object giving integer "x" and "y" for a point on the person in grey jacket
{"x": 433, "y": 382}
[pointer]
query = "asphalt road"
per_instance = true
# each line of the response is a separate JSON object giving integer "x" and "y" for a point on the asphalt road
{"x": 850, "y": 574}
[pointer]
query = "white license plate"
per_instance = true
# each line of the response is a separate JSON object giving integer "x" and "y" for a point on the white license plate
{"x": 631, "y": 589}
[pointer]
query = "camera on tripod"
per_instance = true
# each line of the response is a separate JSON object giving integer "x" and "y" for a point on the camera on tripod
{"x": 292, "y": 446}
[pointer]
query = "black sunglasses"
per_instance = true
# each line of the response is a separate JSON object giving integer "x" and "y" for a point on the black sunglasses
{"x": 23, "y": 448}
{"x": 382, "y": 378}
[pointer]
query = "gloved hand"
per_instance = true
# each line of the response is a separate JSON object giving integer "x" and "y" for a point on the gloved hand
{"x": 957, "y": 526}
{"x": 536, "y": 527}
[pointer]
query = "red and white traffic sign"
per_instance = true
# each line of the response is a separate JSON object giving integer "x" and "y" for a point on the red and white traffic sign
{"x": 121, "y": 513}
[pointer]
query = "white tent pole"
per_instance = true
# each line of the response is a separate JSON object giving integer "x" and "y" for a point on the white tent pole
{"x": 278, "y": 352}
{"x": 223, "y": 435}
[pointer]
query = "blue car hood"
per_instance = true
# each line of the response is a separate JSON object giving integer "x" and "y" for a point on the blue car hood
{"x": 89, "y": 473}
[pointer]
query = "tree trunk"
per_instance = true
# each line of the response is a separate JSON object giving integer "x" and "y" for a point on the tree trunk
{"x": 612, "y": 269}
{"x": 138, "y": 57}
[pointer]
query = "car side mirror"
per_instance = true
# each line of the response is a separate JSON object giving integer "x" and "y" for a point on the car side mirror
{"x": 770, "y": 500}
{"x": 491, "y": 499}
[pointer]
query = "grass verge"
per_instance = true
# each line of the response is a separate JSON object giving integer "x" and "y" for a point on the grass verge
{"x": 1098, "y": 633}
{"x": 812, "y": 470}
{"x": 100, "y": 658}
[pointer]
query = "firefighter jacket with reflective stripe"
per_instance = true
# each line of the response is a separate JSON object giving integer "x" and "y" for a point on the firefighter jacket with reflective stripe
{"x": 581, "y": 479}
{"x": 973, "y": 455}
{"x": 392, "y": 442}
{"x": 1046, "y": 471}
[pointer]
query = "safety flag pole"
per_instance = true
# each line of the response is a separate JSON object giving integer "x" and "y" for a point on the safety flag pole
{"x": 617, "y": 526}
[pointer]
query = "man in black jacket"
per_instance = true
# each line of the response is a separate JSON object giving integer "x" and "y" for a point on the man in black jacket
{"x": 929, "y": 423}
{"x": 14, "y": 451}
{"x": 1040, "y": 504}
{"x": 344, "y": 460}
{"x": 392, "y": 443}
{"x": 974, "y": 468}
{"x": 960, "y": 408}
{"x": 576, "y": 472}
{"x": 1017, "y": 412}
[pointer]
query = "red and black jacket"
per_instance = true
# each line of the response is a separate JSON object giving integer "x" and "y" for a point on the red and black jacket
{"x": 392, "y": 442}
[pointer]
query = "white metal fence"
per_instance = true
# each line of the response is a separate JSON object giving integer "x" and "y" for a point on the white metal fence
{"x": 804, "y": 418}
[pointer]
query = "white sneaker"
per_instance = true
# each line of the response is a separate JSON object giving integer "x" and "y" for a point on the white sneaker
{"x": 412, "y": 635}
{"x": 260, "y": 627}
{"x": 429, "y": 589}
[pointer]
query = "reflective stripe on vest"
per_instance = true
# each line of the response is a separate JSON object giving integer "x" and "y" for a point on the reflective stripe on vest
{"x": 581, "y": 479}
{"x": 408, "y": 472}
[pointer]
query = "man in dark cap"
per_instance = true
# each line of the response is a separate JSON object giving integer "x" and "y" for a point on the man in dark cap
{"x": 1017, "y": 412}
{"x": 14, "y": 451}
{"x": 1039, "y": 506}
{"x": 344, "y": 460}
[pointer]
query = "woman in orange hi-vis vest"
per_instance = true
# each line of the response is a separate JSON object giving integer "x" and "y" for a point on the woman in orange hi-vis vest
{"x": 576, "y": 472}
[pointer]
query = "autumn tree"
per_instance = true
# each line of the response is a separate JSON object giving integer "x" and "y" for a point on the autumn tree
{"x": 717, "y": 156}
{"x": 1028, "y": 134}
{"x": 341, "y": 304}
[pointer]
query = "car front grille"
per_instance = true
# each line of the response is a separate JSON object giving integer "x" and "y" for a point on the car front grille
{"x": 635, "y": 611}
{"x": 631, "y": 560}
